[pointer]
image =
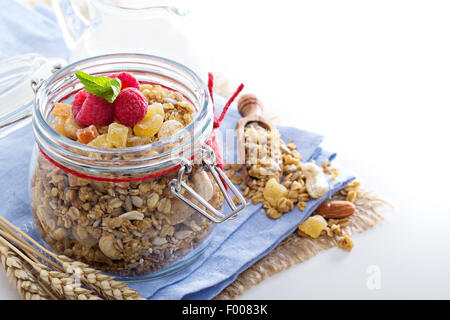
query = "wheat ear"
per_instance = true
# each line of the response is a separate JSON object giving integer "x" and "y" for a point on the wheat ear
{"x": 20, "y": 276}
{"x": 102, "y": 284}
{"x": 65, "y": 286}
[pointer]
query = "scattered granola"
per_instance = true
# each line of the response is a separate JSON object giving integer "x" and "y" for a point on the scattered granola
{"x": 278, "y": 190}
{"x": 345, "y": 242}
{"x": 351, "y": 191}
{"x": 329, "y": 169}
{"x": 263, "y": 156}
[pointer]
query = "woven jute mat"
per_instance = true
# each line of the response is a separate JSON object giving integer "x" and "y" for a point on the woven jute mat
{"x": 296, "y": 249}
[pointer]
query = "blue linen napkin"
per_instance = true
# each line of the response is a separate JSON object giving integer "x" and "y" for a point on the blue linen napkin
{"x": 24, "y": 30}
{"x": 239, "y": 244}
{"x": 235, "y": 245}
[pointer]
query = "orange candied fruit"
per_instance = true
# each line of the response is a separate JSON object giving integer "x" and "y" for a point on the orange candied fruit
{"x": 58, "y": 125}
{"x": 62, "y": 110}
{"x": 87, "y": 134}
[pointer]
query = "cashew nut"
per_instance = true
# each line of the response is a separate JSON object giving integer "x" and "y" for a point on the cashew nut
{"x": 203, "y": 185}
{"x": 132, "y": 215}
{"x": 106, "y": 245}
{"x": 180, "y": 211}
{"x": 316, "y": 183}
{"x": 169, "y": 128}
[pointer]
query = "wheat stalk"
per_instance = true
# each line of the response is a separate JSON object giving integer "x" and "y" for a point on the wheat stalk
{"x": 21, "y": 277}
{"x": 62, "y": 284}
{"x": 102, "y": 284}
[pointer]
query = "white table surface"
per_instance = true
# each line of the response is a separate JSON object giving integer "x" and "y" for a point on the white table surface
{"x": 374, "y": 78}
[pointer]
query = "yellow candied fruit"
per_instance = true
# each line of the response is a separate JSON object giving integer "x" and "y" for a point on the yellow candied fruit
{"x": 313, "y": 226}
{"x": 101, "y": 141}
{"x": 58, "y": 125}
{"x": 148, "y": 126}
{"x": 62, "y": 110}
{"x": 117, "y": 135}
{"x": 153, "y": 109}
{"x": 274, "y": 191}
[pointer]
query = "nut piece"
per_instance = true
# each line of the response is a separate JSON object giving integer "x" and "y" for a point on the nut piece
{"x": 179, "y": 211}
{"x": 71, "y": 127}
{"x": 316, "y": 183}
{"x": 313, "y": 226}
{"x": 183, "y": 234}
{"x": 106, "y": 245}
{"x": 336, "y": 209}
{"x": 169, "y": 128}
{"x": 203, "y": 185}
{"x": 132, "y": 215}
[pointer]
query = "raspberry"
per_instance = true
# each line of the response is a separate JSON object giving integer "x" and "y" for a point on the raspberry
{"x": 78, "y": 101}
{"x": 130, "y": 106}
{"x": 94, "y": 111}
{"x": 127, "y": 79}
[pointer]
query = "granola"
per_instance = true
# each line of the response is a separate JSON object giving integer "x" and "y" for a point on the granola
{"x": 126, "y": 228}
{"x": 279, "y": 189}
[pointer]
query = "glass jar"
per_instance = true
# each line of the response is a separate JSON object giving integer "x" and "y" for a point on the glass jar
{"x": 137, "y": 211}
{"x": 162, "y": 28}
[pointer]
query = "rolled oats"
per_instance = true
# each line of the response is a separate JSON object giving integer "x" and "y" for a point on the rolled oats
{"x": 91, "y": 221}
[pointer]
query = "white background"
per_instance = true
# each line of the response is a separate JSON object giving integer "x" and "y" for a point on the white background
{"x": 374, "y": 78}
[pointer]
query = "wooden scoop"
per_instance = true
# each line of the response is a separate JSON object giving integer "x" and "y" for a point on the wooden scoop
{"x": 251, "y": 109}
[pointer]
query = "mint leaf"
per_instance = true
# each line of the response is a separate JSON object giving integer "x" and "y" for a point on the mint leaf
{"x": 102, "y": 87}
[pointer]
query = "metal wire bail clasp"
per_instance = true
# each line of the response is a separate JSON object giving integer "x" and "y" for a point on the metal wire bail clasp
{"x": 208, "y": 162}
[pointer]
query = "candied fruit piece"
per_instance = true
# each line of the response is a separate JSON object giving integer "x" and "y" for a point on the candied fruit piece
{"x": 138, "y": 141}
{"x": 101, "y": 141}
{"x": 62, "y": 110}
{"x": 274, "y": 191}
{"x": 58, "y": 125}
{"x": 117, "y": 135}
{"x": 313, "y": 226}
{"x": 87, "y": 134}
{"x": 154, "y": 108}
{"x": 148, "y": 126}
{"x": 71, "y": 126}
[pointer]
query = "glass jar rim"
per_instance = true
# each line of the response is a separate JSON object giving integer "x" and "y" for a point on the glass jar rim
{"x": 140, "y": 6}
{"x": 72, "y": 154}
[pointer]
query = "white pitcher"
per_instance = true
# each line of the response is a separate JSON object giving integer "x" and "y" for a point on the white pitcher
{"x": 159, "y": 28}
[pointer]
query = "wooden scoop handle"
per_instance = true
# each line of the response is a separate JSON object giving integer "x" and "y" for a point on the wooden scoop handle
{"x": 249, "y": 105}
